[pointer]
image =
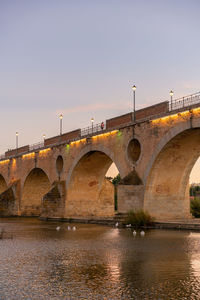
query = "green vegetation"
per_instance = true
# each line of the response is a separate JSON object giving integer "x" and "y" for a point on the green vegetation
{"x": 195, "y": 200}
{"x": 139, "y": 219}
{"x": 194, "y": 190}
{"x": 116, "y": 180}
{"x": 195, "y": 207}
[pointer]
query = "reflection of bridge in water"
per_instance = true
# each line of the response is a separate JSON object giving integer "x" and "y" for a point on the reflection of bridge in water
{"x": 65, "y": 175}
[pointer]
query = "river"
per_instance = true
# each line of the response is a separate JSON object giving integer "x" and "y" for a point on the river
{"x": 96, "y": 262}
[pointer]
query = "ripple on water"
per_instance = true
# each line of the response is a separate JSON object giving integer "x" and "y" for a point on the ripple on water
{"x": 96, "y": 262}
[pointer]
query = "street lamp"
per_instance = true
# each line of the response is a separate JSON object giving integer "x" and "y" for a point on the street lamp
{"x": 61, "y": 117}
{"x": 44, "y": 136}
{"x": 92, "y": 120}
{"x": 134, "y": 89}
{"x": 171, "y": 95}
{"x": 17, "y": 134}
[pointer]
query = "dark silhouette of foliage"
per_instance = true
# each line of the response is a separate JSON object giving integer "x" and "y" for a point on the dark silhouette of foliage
{"x": 116, "y": 180}
{"x": 194, "y": 189}
{"x": 139, "y": 218}
{"x": 195, "y": 207}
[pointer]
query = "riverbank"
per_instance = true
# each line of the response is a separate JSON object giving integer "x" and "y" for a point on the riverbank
{"x": 190, "y": 224}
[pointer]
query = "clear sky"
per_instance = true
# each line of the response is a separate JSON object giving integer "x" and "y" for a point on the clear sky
{"x": 82, "y": 57}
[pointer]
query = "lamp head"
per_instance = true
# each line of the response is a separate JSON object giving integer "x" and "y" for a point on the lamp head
{"x": 171, "y": 93}
{"x": 134, "y": 88}
{"x": 92, "y": 120}
{"x": 61, "y": 116}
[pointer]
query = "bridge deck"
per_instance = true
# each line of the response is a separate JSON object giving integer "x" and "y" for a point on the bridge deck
{"x": 146, "y": 114}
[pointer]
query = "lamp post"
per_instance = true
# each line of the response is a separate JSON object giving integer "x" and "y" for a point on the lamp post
{"x": 44, "y": 136}
{"x": 61, "y": 117}
{"x": 17, "y": 134}
{"x": 92, "y": 120}
{"x": 134, "y": 89}
{"x": 171, "y": 95}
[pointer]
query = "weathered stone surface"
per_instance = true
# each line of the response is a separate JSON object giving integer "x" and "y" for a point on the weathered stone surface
{"x": 53, "y": 202}
{"x": 154, "y": 176}
{"x": 9, "y": 200}
{"x": 130, "y": 197}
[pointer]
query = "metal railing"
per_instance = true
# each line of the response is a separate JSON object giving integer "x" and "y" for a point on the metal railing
{"x": 2, "y": 156}
{"x": 175, "y": 104}
{"x": 93, "y": 129}
{"x": 36, "y": 146}
{"x": 184, "y": 101}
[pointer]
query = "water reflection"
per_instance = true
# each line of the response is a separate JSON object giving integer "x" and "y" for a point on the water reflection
{"x": 97, "y": 262}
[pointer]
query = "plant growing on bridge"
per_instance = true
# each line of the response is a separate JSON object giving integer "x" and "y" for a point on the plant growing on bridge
{"x": 139, "y": 218}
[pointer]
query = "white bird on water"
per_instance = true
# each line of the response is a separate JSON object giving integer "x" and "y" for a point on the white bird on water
{"x": 134, "y": 233}
{"x": 58, "y": 228}
{"x": 74, "y": 228}
{"x": 68, "y": 228}
{"x": 142, "y": 233}
{"x": 128, "y": 225}
{"x": 116, "y": 224}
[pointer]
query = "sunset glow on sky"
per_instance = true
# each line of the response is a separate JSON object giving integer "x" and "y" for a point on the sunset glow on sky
{"x": 80, "y": 58}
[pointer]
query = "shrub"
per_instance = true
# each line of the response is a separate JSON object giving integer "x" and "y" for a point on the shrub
{"x": 195, "y": 207}
{"x": 139, "y": 218}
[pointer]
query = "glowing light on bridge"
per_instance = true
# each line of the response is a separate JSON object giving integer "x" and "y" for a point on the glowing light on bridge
{"x": 28, "y": 155}
{"x": 181, "y": 114}
{"x": 168, "y": 118}
{"x": 78, "y": 141}
{"x": 105, "y": 134}
{"x": 44, "y": 152}
{"x": 67, "y": 148}
{"x": 13, "y": 163}
{"x": 119, "y": 133}
{"x": 3, "y": 162}
{"x": 195, "y": 110}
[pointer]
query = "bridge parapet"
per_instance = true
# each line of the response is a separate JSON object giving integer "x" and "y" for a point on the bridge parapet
{"x": 62, "y": 138}
{"x": 185, "y": 101}
{"x": 90, "y": 130}
{"x": 16, "y": 151}
{"x": 118, "y": 121}
{"x": 142, "y": 115}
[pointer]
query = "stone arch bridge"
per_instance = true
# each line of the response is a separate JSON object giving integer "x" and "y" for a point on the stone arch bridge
{"x": 65, "y": 176}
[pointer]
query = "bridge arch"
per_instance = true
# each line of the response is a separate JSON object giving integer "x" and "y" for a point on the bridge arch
{"x": 35, "y": 186}
{"x": 167, "y": 176}
{"x": 173, "y": 132}
{"x": 100, "y": 148}
{"x": 89, "y": 193}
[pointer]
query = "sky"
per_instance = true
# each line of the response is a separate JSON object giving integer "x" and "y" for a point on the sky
{"x": 80, "y": 58}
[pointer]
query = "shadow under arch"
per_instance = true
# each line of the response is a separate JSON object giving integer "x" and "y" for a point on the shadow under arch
{"x": 3, "y": 184}
{"x": 36, "y": 185}
{"x": 92, "y": 148}
{"x": 167, "y": 186}
{"x": 89, "y": 193}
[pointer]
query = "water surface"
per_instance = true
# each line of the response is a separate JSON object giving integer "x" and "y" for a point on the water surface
{"x": 96, "y": 262}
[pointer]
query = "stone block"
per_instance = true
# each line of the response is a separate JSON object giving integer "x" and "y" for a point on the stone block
{"x": 130, "y": 197}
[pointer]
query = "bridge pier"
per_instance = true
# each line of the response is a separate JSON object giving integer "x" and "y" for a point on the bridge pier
{"x": 130, "y": 197}
{"x": 9, "y": 200}
{"x": 53, "y": 202}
